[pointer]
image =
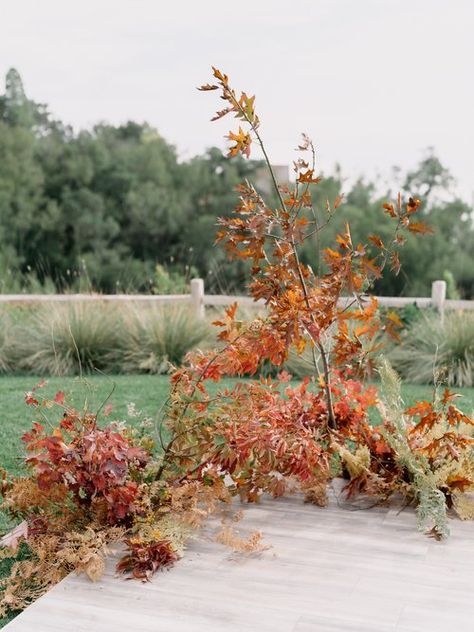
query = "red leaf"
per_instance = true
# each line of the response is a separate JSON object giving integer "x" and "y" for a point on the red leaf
{"x": 59, "y": 398}
{"x": 30, "y": 400}
{"x": 107, "y": 410}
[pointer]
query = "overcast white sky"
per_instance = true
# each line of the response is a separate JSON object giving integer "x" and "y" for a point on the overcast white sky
{"x": 374, "y": 82}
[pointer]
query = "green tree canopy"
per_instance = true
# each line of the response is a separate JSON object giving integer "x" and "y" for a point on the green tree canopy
{"x": 107, "y": 205}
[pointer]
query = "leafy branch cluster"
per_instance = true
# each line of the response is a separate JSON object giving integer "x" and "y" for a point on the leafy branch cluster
{"x": 89, "y": 486}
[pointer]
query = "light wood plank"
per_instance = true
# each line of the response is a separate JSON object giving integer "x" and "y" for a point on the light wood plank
{"x": 329, "y": 570}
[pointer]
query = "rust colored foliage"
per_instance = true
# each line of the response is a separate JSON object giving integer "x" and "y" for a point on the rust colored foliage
{"x": 435, "y": 433}
{"x": 263, "y": 433}
{"x": 86, "y": 487}
{"x": 304, "y": 304}
{"x": 145, "y": 558}
{"x": 264, "y": 436}
{"x": 94, "y": 465}
{"x": 89, "y": 486}
{"x": 260, "y": 433}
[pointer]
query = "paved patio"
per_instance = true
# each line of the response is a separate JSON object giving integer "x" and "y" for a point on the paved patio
{"x": 339, "y": 569}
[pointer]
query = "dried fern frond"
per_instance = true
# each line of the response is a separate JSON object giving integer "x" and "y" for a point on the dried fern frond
{"x": 85, "y": 552}
{"x": 230, "y": 537}
{"x": 194, "y": 501}
{"x": 315, "y": 489}
{"x": 356, "y": 462}
{"x": 50, "y": 558}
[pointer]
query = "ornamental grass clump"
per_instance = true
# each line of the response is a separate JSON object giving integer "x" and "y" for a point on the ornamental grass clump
{"x": 156, "y": 337}
{"x": 7, "y": 337}
{"x": 68, "y": 339}
{"x": 432, "y": 349}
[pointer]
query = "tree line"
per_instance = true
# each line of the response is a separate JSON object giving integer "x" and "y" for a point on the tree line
{"x": 113, "y": 208}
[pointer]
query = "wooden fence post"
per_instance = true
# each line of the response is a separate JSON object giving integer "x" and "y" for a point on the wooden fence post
{"x": 197, "y": 298}
{"x": 438, "y": 296}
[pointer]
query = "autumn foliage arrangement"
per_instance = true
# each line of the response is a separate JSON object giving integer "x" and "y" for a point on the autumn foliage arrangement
{"x": 90, "y": 485}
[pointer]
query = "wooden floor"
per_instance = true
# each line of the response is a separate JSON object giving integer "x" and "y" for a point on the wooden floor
{"x": 329, "y": 570}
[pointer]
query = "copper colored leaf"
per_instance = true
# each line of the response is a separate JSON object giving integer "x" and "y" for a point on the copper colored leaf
{"x": 338, "y": 201}
{"x": 220, "y": 113}
{"x": 420, "y": 228}
{"x": 389, "y": 209}
{"x": 208, "y": 86}
{"x": 242, "y": 141}
{"x": 413, "y": 205}
{"x": 375, "y": 239}
{"x": 395, "y": 264}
